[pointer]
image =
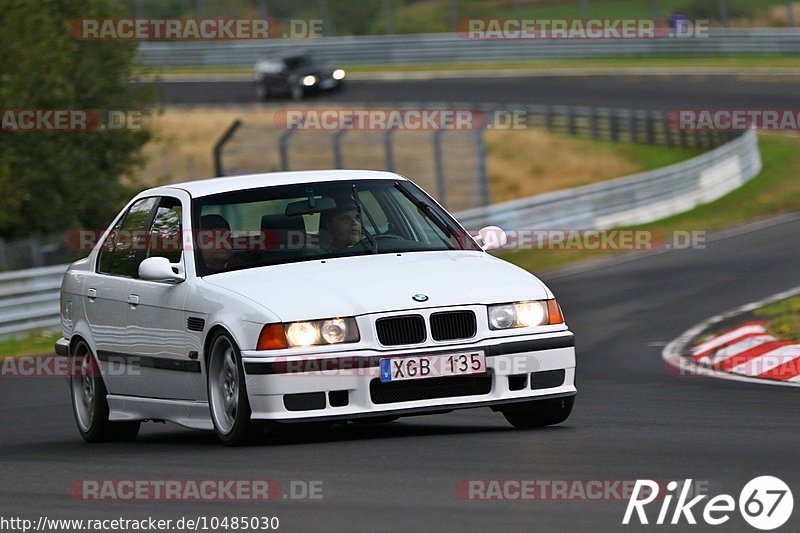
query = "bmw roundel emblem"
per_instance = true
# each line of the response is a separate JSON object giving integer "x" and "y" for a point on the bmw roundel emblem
{"x": 419, "y": 298}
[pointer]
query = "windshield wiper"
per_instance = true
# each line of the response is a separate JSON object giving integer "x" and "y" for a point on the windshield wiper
{"x": 426, "y": 208}
{"x": 360, "y": 209}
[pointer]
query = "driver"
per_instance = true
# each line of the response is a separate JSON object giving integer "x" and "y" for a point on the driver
{"x": 342, "y": 227}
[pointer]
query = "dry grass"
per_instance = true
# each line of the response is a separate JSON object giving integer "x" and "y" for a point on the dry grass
{"x": 524, "y": 163}
{"x": 520, "y": 163}
{"x": 184, "y": 140}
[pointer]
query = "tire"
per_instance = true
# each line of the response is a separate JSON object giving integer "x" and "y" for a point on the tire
{"x": 296, "y": 92}
{"x": 262, "y": 92}
{"x": 539, "y": 413}
{"x": 227, "y": 392}
{"x": 89, "y": 402}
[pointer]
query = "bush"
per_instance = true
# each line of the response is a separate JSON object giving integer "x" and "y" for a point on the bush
{"x": 55, "y": 180}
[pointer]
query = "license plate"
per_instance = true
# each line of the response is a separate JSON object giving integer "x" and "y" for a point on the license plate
{"x": 432, "y": 366}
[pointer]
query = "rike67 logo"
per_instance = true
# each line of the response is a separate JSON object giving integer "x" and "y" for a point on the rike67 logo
{"x": 765, "y": 503}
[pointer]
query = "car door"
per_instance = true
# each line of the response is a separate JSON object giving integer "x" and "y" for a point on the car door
{"x": 106, "y": 293}
{"x": 157, "y": 334}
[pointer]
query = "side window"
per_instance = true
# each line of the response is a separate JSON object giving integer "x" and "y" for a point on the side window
{"x": 165, "y": 233}
{"x": 123, "y": 250}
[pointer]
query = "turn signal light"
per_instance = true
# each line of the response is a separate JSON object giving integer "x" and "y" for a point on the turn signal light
{"x": 554, "y": 312}
{"x": 272, "y": 337}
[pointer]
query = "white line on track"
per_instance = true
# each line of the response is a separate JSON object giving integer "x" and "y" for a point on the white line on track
{"x": 673, "y": 357}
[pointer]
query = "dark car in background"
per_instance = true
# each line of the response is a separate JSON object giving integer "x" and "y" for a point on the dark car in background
{"x": 295, "y": 76}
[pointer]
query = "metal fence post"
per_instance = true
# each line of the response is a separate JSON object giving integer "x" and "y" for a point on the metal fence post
{"x": 570, "y": 121}
{"x": 337, "y": 148}
{"x": 667, "y": 130}
{"x": 218, "y": 168}
{"x": 632, "y": 126}
{"x": 790, "y": 12}
{"x": 283, "y": 146}
{"x": 439, "y": 165}
{"x": 593, "y": 123}
{"x": 481, "y": 194}
{"x": 36, "y": 252}
{"x": 612, "y": 125}
{"x": 723, "y": 13}
{"x": 389, "y": 149}
{"x": 651, "y": 133}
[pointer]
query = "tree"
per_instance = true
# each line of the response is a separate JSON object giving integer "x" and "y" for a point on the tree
{"x": 57, "y": 180}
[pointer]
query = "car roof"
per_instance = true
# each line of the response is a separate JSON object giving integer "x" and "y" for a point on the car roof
{"x": 205, "y": 187}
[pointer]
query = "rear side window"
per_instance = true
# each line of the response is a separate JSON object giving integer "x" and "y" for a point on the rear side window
{"x": 124, "y": 247}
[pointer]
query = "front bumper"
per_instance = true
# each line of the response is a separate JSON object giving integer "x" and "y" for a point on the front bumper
{"x": 62, "y": 347}
{"x": 347, "y": 385}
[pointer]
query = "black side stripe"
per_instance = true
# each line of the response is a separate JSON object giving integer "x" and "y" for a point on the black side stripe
{"x": 148, "y": 361}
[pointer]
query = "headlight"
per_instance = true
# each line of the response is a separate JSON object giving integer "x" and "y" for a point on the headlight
{"x": 338, "y": 74}
{"x": 302, "y": 334}
{"x": 311, "y": 333}
{"x": 525, "y": 314}
{"x": 309, "y": 80}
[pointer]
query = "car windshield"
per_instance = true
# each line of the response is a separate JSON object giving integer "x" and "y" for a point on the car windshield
{"x": 291, "y": 223}
{"x": 298, "y": 62}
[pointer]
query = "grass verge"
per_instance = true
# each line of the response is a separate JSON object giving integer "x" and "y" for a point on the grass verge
{"x": 776, "y": 190}
{"x": 783, "y": 319}
{"x": 612, "y": 64}
{"x": 35, "y": 343}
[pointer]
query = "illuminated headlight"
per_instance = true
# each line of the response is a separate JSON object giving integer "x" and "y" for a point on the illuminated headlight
{"x": 338, "y": 74}
{"x": 322, "y": 332}
{"x": 524, "y": 314}
{"x": 309, "y": 80}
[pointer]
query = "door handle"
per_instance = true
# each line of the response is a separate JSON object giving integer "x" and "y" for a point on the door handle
{"x": 133, "y": 299}
{"x": 91, "y": 293}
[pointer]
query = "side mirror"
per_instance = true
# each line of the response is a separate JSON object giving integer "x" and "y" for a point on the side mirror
{"x": 492, "y": 238}
{"x": 159, "y": 269}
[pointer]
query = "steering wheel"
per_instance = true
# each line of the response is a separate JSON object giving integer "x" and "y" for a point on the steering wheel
{"x": 379, "y": 236}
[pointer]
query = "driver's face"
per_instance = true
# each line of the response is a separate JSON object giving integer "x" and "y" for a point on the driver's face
{"x": 345, "y": 229}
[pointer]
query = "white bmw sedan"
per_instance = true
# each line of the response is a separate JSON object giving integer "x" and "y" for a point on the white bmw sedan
{"x": 236, "y": 302}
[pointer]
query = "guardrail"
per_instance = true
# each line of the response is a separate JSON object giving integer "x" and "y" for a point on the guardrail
{"x": 29, "y": 299}
{"x": 450, "y": 47}
{"x": 636, "y": 199}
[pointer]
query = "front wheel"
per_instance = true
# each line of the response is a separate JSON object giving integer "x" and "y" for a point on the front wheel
{"x": 262, "y": 91}
{"x": 227, "y": 393}
{"x": 89, "y": 403}
{"x": 539, "y": 413}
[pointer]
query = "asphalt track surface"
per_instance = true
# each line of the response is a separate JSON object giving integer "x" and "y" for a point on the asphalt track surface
{"x": 632, "y": 420}
{"x": 650, "y": 92}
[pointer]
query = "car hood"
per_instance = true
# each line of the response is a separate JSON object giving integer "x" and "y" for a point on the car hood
{"x": 378, "y": 283}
